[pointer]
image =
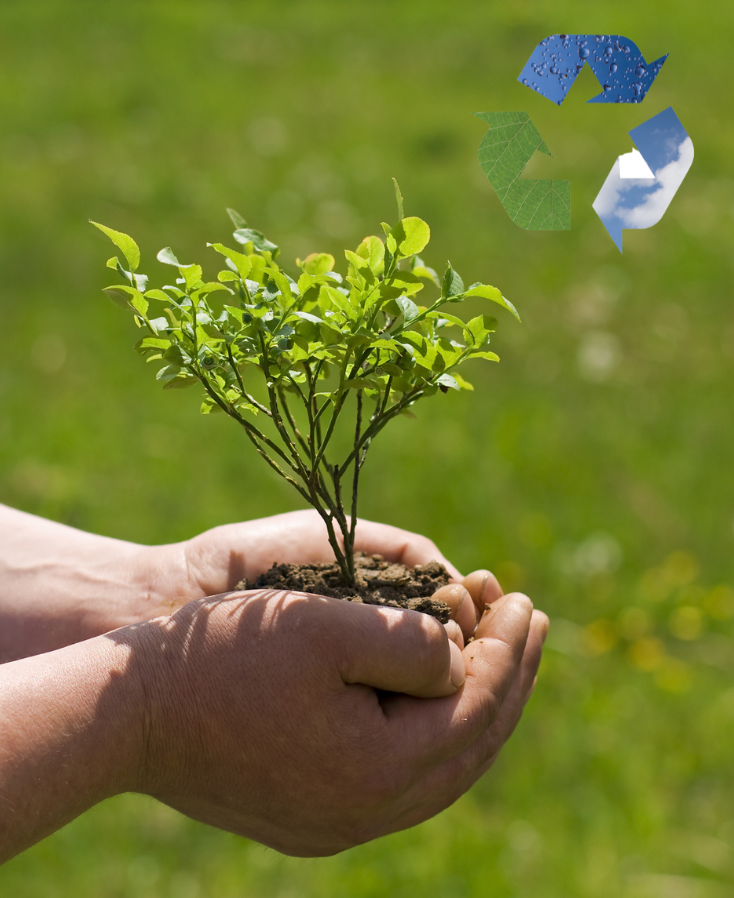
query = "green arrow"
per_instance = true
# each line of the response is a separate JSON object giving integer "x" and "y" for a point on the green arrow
{"x": 503, "y": 154}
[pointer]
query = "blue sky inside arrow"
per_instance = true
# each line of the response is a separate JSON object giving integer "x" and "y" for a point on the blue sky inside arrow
{"x": 636, "y": 203}
{"x": 616, "y": 61}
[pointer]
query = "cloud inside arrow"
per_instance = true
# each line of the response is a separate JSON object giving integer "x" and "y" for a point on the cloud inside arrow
{"x": 641, "y": 202}
{"x": 669, "y": 178}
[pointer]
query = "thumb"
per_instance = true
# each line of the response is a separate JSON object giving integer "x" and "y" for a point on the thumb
{"x": 395, "y": 650}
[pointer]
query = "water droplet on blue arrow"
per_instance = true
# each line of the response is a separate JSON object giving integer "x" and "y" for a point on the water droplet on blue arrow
{"x": 613, "y": 67}
{"x": 583, "y": 53}
{"x": 640, "y": 71}
{"x": 553, "y": 70}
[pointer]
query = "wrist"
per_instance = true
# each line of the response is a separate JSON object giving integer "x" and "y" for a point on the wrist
{"x": 73, "y": 735}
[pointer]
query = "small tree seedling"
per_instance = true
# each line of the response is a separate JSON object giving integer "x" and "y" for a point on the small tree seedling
{"x": 325, "y": 348}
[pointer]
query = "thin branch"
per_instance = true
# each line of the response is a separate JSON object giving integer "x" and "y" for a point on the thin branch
{"x": 255, "y": 436}
{"x": 358, "y": 461}
{"x": 240, "y": 383}
{"x": 377, "y": 425}
{"x": 290, "y": 420}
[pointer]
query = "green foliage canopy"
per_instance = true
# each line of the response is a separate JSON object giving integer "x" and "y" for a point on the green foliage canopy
{"x": 314, "y": 342}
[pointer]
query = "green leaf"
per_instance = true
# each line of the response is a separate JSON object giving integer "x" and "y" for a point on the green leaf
{"x": 463, "y": 384}
{"x": 447, "y": 380}
{"x": 356, "y": 261}
{"x": 399, "y": 200}
{"x": 181, "y": 383}
{"x": 212, "y": 287}
{"x": 124, "y": 242}
{"x": 411, "y": 236}
{"x": 257, "y": 238}
{"x": 166, "y": 255}
{"x": 443, "y": 319}
{"x": 157, "y": 294}
{"x": 409, "y": 309}
{"x": 415, "y": 341}
{"x": 168, "y": 372}
{"x": 504, "y": 152}
{"x": 373, "y": 250}
{"x": 192, "y": 275}
{"x": 480, "y": 328}
{"x": 317, "y": 264}
{"x": 482, "y": 354}
{"x": 237, "y": 220}
{"x": 338, "y": 299}
{"x": 158, "y": 324}
{"x": 404, "y": 282}
{"x": 493, "y": 294}
{"x": 452, "y": 284}
{"x": 153, "y": 343}
{"x": 281, "y": 282}
{"x": 241, "y": 262}
{"x": 140, "y": 304}
{"x": 210, "y": 407}
{"x": 227, "y": 277}
{"x": 123, "y": 296}
{"x": 307, "y": 316}
{"x": 118, "y": 297}
{"x": 421, "y": 270}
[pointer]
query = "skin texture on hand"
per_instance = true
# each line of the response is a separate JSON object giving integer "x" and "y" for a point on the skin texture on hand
{"x": 307, "y": 723}
{"x": 59, "y": 585}
{"x": 291, "y": 719}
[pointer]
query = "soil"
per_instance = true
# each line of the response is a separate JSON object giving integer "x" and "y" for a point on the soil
{"x": 379, "y": 582}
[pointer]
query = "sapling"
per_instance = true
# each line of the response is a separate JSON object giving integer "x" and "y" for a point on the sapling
{"x": 325, "y": 349}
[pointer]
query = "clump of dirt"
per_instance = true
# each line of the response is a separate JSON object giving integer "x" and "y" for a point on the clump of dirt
{"x": 379, "y": 582}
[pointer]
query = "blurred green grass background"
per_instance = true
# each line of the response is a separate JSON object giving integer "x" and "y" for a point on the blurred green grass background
{"x": 592, "y": 468}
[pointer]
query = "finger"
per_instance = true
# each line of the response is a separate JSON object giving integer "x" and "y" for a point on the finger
{"x": 487, "y": 747}
{"x": 441, "y": 785}
{"x": 484, "y": 627}
{"x": 438, "y": 730}
{"x": 394, "y": 650}
{"x": 463, "y": 610}
{"x": 399, "y": 545}
{"x": 460, "y": 772}
{"x": 483, "y": 587}
{"x": 453, "y": 631}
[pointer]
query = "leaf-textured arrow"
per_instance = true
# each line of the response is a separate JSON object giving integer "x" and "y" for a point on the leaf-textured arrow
{"x": 504, "y": 152}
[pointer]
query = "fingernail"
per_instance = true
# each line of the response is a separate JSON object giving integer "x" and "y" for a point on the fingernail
{"x": 458, "y": 671}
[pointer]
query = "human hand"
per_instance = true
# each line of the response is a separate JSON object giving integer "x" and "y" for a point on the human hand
{"x": 218, "y": 559}
{"x": 268, "y": 713}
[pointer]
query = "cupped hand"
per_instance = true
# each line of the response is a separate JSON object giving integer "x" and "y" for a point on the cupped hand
{"x": 302, "y": 721}
{"x": 217, "y": 560}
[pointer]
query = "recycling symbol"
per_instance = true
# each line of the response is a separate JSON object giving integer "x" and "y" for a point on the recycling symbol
{"x": 641, "y": 184}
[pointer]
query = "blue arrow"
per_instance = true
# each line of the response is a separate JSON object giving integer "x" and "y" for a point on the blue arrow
{"x": 641, "y": 184}
{"x": 615, "y": 60}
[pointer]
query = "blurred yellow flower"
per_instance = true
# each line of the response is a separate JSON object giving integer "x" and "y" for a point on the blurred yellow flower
{"x": 686, "y": 622}
{"x": 599, "y": 637}
{"x": 719, "y": 602}
{"x": 634, "y": 623}
{"x": 647, "y": 654}
{"x": 674, "y": 675}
